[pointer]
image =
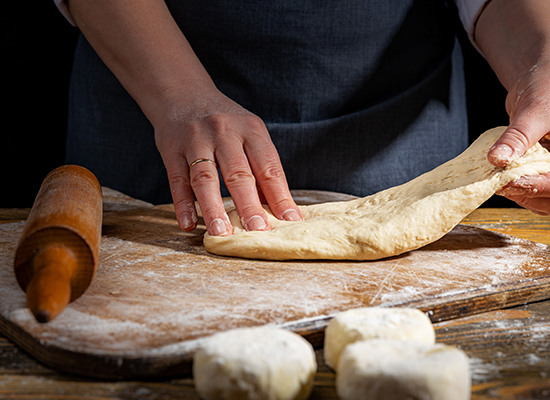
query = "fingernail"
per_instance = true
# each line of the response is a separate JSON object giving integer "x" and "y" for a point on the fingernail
{"x": 502, "y": 154}
{"x": 291, "y": 215}
{"x": 255, "y": 223}
{"x": 217, "y": 227}
{"x": 502, "y": 150}
{"x": 187, "y": 221}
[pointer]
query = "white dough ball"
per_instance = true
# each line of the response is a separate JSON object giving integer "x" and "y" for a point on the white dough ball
{"x": 254, "y": 363}
{"x": 391, "y": 369}
{"x": 375, "y": 323}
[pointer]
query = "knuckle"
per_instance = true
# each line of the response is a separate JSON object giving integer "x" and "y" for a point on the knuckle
{"x": 184, "y": 204}
{"x": 249, "y": 210}
{"x": 217, "y": 122}
{"x": 203, "y": 177}
{"x": 271, "y": 172}
{"x": 519, "y": 137}
{"x": 210, "y": 211}
{"x": 239, "y": 175}
{"x": 177, "y": 180}
{"x": 255, "y": 123}
{"x": 282, "y": 204}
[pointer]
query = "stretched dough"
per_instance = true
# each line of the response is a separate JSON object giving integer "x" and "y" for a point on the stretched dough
{"x": 259, "y": 363}
{"x": 390, "y": 222}
{"x": 382, "y": 369}
{"x": 368, "y": 323}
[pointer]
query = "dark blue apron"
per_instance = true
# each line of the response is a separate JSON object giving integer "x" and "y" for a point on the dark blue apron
{"x": 357, "y": 95}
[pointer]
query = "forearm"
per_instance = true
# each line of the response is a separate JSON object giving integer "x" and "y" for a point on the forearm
{"x": 142, "y": 45}
{"x": 514, "y": 36}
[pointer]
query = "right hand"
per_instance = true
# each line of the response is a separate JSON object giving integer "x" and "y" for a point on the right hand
{"x": 200, "y": 122}
{"x": 143, "y": 46}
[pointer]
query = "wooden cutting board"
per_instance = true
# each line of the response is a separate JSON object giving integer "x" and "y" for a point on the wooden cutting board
{"x": 157, "y": 291}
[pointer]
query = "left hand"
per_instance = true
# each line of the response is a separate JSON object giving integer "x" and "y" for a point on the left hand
{"x": 528, "y": 104}
{"x": 514, "y": 37}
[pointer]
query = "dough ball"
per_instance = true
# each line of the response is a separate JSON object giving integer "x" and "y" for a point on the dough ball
{"x": 391, "y": 369}
{"x": 254, "y": 363}
{"x": 375, "y": 323}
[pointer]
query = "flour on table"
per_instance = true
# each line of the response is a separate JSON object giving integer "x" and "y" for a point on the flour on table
{"x": 254, "y": 364}
{"x": 381, "y": 369}
{"x": 375, "y": 323}
{"x": 388, "y": 223}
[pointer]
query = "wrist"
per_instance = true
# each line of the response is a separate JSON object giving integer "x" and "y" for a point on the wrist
{"x": 176, "y": 99}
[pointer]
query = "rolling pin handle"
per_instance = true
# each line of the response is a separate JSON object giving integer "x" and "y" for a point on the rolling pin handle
{"x": 49, "y": 291}
{"x": 60, "y": 241}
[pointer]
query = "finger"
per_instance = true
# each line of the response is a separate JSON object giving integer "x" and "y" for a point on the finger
{"x": 512, "y": 144}
{"x": 182, "y": 195}
{"x": 206, "y": 186}
{"x": 528, "y": 124}
{"x": 529, "y": 185}
{"x": 531, "y": 192}
{"x": 265, "y": 165}
{"x": 241, "y": 183}
{"x": 515, "y": 141}
{"x": 261, "y": 178}
{"x": 538, "y": 205}
{"x": 272, "y": 182}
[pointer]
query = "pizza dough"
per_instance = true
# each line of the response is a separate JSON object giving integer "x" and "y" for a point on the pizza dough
{"x": 254, "y": 363}
{"x": 375, "y": 323}
{"x": 390, "y": 222}
{"x": 382, "y": 369}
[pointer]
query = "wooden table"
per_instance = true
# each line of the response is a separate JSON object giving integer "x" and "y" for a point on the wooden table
{"x": 509, "y": 349}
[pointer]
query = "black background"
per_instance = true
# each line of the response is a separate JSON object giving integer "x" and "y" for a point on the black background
{"x": 37, "y": 47}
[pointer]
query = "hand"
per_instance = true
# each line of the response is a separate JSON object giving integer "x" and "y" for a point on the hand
{"x": 531, "y": 192}
{"x": 514, "y": 37}
{"x": 528, "y": 104}
{"x": 202, "y": 123}
{"x": 143, "y": 46}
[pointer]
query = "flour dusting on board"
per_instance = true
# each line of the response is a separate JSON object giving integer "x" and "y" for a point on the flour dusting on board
{"x": 483, "y": 371}
{"x": 157, "y": 291}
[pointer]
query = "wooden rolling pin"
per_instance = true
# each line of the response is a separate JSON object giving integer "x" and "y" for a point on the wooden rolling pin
{"x": 57, "y": 255}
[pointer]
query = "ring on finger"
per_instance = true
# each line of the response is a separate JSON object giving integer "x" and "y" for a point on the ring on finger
{"x": 199, "y": 160}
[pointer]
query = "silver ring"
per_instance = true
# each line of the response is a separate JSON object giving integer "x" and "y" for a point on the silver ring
{"x": 202, "y": 160}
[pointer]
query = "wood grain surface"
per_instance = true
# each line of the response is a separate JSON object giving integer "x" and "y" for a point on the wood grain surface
{"x": 508, "y": 348}
{"x": 58, "y": 250}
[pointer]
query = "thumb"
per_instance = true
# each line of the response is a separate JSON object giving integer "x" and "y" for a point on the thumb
{"x": 512, "y": 144}
{"x": 528, "y": 104}
{"x": 527, "y": 127}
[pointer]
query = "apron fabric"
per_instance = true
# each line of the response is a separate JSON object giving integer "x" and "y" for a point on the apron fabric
{"x": 357, "y": 96}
